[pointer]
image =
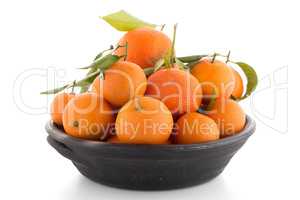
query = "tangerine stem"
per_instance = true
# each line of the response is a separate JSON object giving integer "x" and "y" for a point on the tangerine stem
{"x": 101, "y": 75}
{"x": 172, "y": 57}
{"x": 119, "y": 46}
{"x": 227, "y": 57}
{"x": 126, "y": 50}
{"x": 73, "y": 86}
{"x": 213, "y": 58}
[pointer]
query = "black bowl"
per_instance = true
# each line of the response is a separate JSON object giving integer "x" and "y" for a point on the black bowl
{"x": 148, "y": 167}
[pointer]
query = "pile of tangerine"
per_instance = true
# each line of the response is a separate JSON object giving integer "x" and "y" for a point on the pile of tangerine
{"x": 171, "y": 105}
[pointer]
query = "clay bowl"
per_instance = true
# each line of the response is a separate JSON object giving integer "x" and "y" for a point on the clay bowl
{"x": 148, "y": 167}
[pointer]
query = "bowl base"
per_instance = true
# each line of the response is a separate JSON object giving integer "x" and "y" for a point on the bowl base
{"x": 152, "y": 183}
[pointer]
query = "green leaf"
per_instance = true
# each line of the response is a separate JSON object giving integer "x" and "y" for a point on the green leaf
{"x": 180, "y": 64}
{"x": 83, "y": 83}
{"x": 88, "y": 79}
{"x": 252, "y": 79}
{"x": 99, "y": 66}
{"x": 148, "y": 71}
{"x": 107, "y": 62}
{"x": 99, "y": 55}
{"x": 158, "y": 64}
{"x": 189, "y": 59}
{"x": 123, "y": 21}
{"x": 104, "y": 62}
{"x": 84, "y": 89}
{"x": 55, "y": 90}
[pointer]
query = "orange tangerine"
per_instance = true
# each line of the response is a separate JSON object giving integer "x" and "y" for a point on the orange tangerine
{"x": 144, "y": 120}
{"x": 196, "y": 128}
{"x": 88, "y": 116}
{"x": 145, "y": 46}
{"x": 122, "y": 82}
{"x": 58, "y": 105}
{"x": 216, "y": 78}
{"x": 229, "y": 116}
{"x": 238, "y": 87}
{"x": 177, "y": 89}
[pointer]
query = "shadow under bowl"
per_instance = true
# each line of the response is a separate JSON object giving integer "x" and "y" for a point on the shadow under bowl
{"x": 148, "y": 167}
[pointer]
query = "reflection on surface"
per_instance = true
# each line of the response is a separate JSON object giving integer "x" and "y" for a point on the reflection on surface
{"x": 84, "y": 189}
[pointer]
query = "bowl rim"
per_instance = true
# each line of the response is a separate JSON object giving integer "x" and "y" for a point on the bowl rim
{"x": 60, "y": 136}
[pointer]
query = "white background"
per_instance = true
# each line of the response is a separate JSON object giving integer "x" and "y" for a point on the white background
{"x": 36, "y": 35}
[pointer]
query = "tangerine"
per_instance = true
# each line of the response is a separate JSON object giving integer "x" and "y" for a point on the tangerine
{"x": 144, "y": 120}
{"x": 122, "y": 82}
{"x": 196, "y": 128}
{"x": 177, "y": 89}
{"x": 144, "y": 46}
{"x": 216, "y": 78}
{"x": 238, "y": 87}
{"x": 88, "y": 116}
{"x": 229, "y": 116}
{"x": 58, "y": 105}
